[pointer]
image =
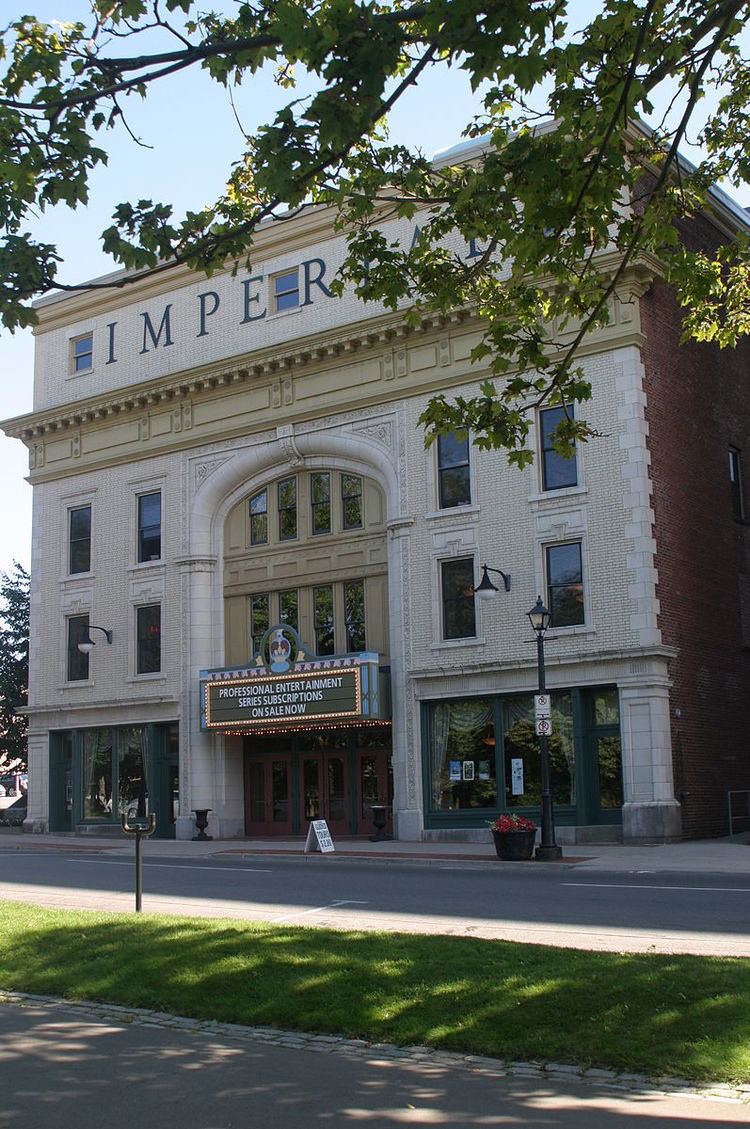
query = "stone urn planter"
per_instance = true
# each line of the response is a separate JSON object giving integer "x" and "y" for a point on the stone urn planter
{"x": 513, "y": 836}
{"x": 514, "y": 846}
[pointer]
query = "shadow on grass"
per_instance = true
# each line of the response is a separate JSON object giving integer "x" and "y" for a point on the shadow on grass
{"x": 685, "y": 1016}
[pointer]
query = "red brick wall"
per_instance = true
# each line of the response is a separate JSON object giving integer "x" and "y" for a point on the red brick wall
{"x": 698, "y": 405}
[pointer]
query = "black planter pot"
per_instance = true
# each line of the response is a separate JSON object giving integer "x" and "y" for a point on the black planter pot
{"x": 514, "y": 846}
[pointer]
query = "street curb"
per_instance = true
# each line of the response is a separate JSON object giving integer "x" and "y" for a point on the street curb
{"x": 418, "y": 1056}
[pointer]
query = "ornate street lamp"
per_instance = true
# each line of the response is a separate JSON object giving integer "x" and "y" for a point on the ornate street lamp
{"x": 86, "y": 643}
{"x": 485, "y": 589}
{"x": 548, "y": 850}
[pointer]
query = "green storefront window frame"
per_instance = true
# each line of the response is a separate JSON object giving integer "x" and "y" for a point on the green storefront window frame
{"x": 566, "y": 815}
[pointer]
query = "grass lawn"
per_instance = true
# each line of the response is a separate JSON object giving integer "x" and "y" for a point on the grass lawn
{"x": 682, "y": 1015}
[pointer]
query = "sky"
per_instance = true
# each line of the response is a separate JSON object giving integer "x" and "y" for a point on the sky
{"x": 192, "y": 138}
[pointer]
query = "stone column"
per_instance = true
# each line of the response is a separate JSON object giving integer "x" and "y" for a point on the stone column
{"x": 650, "y": 812}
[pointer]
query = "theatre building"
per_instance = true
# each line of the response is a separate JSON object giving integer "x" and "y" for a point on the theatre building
{"x": 272, "y": 578}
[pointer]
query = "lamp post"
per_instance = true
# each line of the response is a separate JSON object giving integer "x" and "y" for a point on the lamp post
{"x": 485, "y": 589}
{"x": 86, "y": 643}
{"x": 548, "y": 850}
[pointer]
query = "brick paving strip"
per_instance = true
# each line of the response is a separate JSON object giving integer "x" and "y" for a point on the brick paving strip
{"x": 360, "y": 1048}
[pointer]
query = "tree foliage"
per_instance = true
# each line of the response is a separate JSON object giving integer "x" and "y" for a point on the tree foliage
{"x": 14, "y": 663}
{"x": 556, "y": 215}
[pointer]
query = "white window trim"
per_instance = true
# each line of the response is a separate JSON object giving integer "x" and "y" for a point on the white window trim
{"x": 151, "y": 675}
{"x": 76, "y": 502}
{"x": 139, "y": 488}
{"x": 78, "y": 335}
{"x": 272, "y": 311}
{"x": 434, "y": 509}
{"x": 538, "y": 493}
{"x": 587, "y": 627}
{"x": 438, "y": 641}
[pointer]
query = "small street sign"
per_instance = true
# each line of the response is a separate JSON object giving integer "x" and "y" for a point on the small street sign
{"x": 542, "y": 706}
{"x": 543, "y": 726}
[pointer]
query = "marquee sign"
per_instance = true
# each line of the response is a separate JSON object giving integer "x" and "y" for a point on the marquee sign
{"x": 281, "y": 692}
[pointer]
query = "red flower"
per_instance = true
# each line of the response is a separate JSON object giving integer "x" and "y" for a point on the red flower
{"x": 512, "y": 822}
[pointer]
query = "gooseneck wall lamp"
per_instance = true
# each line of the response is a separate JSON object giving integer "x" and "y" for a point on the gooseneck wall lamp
{"x": 548, "y": 850}
{"x": 485, "y": 589}
{"x": 86, "y": 643}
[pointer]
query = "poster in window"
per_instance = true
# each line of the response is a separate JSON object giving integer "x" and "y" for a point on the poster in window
{"x": 455, "y": 771}
{"x": 516, "y": 776}
{"x": 468, "y": 770}
{"x": 484, "y": 770}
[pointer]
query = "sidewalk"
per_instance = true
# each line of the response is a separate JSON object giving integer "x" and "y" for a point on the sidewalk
{"x": 708, "y": 856}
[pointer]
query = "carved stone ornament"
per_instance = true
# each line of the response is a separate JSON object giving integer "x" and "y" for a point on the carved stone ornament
{"x": 204, "y": 470}
{"x": 379, "y": 431}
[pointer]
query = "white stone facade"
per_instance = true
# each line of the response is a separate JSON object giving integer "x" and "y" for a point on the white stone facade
{"x": 213, "y": 417}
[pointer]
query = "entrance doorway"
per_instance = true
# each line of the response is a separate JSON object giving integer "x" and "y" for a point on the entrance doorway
{"x": 331, "y": 775}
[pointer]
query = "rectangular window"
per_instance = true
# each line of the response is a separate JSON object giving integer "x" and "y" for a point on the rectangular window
{"x": 285, "y": 291}
{"x": 351, "y": 501}
{"x": 735, "y": 484}
{"x": 459, "y": 617}
{"x": 463, "y": 756}
{"x": 320, "y": 502}
{"x": 83, "y": 353}
{"x": 289, "y": 608}
{"x": 354, "y": 614}
{"x": 287, "y": 502}
{"x": 148, "y": 639}
{"x": 259, "y": 518}
{"x": 454, "y": 486}
{"x": 149, "y": 526}
{"x": 565, "y": 584}
{"x": 79, "y": 540}
{"x": 259, "y": 620}
{"x": 323, "y": 604}
{"x": 78, "y": 663}
{"x": 557, "y": 470}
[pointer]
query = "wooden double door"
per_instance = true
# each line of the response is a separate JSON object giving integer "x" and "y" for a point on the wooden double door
{"x": 289, "y": 783}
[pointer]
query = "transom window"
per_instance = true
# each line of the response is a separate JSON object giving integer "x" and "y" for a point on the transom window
{"x": 285, "y": 290}
{"x": 354, "y": 615}
{"x": 459, "y": 614}
{"x": 79, "y": 540}
{"x": 454, "y": 484}
{"x": 287, "y": 504}
{"x": 83, "y": 353}
{"x": 332, "y": 618}
{"x": 323, "y": 611}
{"x": 557, "y": 470}
{"x": 565, "y": 584}
{"x": 309, "y": 504}
{"x": 259, "y": 620}
{"x": 351, "y": 501}
{"x": 320, "y": 502}
{"x": 259, "y": 518}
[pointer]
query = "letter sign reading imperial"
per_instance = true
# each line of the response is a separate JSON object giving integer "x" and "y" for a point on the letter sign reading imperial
{"x": 258, "y": 701}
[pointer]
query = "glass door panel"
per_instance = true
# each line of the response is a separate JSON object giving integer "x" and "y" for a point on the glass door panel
{"x": 609, "y": 760}
{"x": 311, "y": 789}
{"x": 256, "y": 800}
{"x": 335, "y": 790}
{"x": 280, "y": 791}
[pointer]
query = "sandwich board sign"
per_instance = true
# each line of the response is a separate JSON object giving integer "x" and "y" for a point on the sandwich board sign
{"x": 318, "y": 837}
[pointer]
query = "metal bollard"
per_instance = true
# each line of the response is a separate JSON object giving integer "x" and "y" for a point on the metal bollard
{"x": 139, "y": 830}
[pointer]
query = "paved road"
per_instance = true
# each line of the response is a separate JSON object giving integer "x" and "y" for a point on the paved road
{"x": 705, "y": 913}
{"x": 60, "y": 1067}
